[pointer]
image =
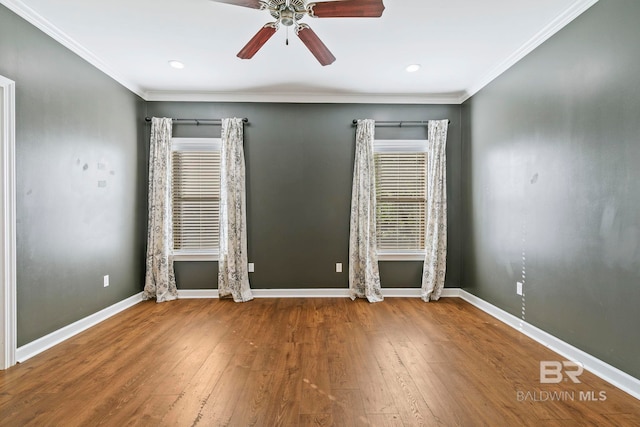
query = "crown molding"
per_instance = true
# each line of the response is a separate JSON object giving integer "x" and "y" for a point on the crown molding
{"x": 303, "y": 98}
{"x": 561, "y": 21}
{"x": 37, "y": 20}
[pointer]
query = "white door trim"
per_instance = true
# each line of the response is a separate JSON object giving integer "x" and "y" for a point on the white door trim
{"x": 8, "y": 224}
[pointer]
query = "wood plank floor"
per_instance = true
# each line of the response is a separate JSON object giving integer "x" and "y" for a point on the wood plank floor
{"x": 302, "y": 362}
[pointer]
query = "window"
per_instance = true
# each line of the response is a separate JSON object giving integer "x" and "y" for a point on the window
{"x": 401, "y": 198}
{"x": 195, "y": 197}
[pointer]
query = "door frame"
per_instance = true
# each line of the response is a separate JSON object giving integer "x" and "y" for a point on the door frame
{"x": 8, "y": 323}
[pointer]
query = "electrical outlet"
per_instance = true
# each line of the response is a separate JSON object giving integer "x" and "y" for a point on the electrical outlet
{"x": 251, "y": 267}
{"x": 338, "y": 267}
{"x": 105, "y": 280}
{"x": 519, "y": 288}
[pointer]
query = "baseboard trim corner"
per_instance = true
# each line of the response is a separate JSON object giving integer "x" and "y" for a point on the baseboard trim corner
{"x": 610, "y": 374}
{"x": 33, "y": 348}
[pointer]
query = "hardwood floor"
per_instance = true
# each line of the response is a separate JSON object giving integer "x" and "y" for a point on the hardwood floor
{"x": 302, "y": 362}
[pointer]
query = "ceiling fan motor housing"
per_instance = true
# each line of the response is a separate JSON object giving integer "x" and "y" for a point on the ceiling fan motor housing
{"x": 287, "y": 14}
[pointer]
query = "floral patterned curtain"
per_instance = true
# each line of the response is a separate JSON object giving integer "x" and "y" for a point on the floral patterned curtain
{"x": 364, "y": 277}
{"x": 233, "y": 276}
{"x": 435, "y": 264}
{"x": 160, "y": 282}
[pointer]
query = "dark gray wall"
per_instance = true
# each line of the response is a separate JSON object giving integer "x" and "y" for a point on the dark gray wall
{"x": 80, "y": 182}
{"x": 552, "y": 149}
{"x": 299, "y": 172}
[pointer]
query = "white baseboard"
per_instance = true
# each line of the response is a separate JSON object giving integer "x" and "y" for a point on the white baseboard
{"x": 27, "y": 351}
{"x": 610, "y": 374}
{"x": 197, "y": 293}
{"x": 270, "y": 293}
{"x": 313, "y": 293}
{"x": 450, "y": 293}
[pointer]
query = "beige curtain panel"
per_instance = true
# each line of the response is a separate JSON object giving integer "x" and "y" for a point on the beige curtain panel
{"x": 233, "y": 275}
{"x": 435, "y": 263}
{"x": 160, "y": 281}
{"x": 364, "y": 277}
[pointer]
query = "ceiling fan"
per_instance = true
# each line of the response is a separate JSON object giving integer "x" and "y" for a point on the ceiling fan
{"x": 289, "y": 12}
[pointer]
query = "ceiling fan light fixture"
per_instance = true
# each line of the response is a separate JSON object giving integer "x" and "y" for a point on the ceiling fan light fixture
{"x": 413, "y": 68}
{"x": 176, "y": 64}
{"x": 287, "y": 17}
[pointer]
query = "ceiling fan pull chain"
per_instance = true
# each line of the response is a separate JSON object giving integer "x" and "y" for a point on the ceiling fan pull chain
{"x": 287, "y": 38}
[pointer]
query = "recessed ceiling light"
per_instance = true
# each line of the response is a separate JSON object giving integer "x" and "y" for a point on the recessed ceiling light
{"x": 413, "y": 68}
{"x": 176, "y": 64}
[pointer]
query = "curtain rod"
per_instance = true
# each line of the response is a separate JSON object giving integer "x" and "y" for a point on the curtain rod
{"x": 197, "y": 122}
{"x": 400, "y": 124}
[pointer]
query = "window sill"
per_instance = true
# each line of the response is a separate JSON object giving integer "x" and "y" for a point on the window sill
{"x": 401, "y": 256}
{"x": 195, "y": 256}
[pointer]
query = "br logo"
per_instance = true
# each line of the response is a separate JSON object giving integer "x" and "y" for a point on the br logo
{"x": 553, "y": 372}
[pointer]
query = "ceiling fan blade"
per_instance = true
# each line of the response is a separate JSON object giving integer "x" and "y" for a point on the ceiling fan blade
{"x": 258, "y": 41}
{"x": 254, "y": 4}
{"x": 315, "y": 45}
{"x": 346, "y": 9}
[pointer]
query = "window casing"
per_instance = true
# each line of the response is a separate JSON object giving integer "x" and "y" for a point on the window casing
{"x": 401, "y": 199}
{"x": 195, "y": 198}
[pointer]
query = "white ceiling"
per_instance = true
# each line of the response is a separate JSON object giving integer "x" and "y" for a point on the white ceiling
{"x": 461, "y": 44}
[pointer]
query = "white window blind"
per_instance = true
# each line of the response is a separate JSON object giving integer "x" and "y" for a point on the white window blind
{"x": 401, "y": 198}
{"x": 195, "y": 193}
